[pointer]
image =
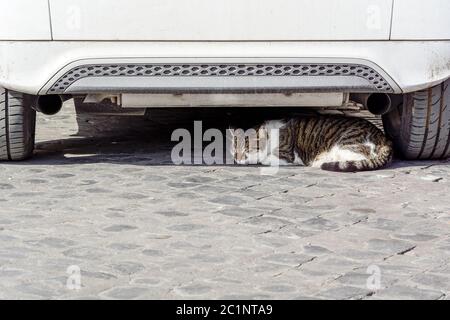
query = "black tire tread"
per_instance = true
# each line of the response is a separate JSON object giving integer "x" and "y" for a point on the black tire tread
{"x": 17, "y": 127}
{"x": 425, "y": 124}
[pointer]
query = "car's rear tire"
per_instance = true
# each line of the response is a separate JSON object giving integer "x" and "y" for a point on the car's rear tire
{"x": 17, "y": 126}
{"x": 419, "y": 124}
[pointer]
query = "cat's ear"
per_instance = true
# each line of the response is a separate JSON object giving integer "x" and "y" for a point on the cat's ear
{"x": 259, "y": 127}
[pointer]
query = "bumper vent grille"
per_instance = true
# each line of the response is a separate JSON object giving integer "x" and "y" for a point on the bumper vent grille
{"x": 377, "y": 82}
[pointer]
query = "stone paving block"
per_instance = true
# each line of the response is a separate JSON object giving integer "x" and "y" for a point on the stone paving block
{"x": 405, "y": 292}
{"x": 110, "y": 202}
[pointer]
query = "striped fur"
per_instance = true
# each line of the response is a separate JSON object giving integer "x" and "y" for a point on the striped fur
{"x": 333, "y": 143}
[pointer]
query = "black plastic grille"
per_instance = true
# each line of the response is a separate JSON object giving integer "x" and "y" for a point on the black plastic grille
{"x": 217, "y": 70}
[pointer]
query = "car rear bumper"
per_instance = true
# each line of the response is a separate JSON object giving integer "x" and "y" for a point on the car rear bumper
{"x": 58, "y": 67}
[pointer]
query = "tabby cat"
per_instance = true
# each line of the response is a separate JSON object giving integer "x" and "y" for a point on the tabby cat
{"x": 333, "y": 143}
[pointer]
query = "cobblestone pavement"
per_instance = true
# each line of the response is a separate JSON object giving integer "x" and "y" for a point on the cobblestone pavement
{"x": 112, "y": 204}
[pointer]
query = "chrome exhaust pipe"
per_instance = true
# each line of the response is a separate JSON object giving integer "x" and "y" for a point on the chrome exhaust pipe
{"x": 377, "y": 103}
{"x": 49, "y": 104}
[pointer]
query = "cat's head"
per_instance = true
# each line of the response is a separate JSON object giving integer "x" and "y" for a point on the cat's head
{"x": 255, "y": 145}
{"x": 244, "y": 145}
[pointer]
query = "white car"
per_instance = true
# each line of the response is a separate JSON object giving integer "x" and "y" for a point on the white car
{"x": 392, "y": 56}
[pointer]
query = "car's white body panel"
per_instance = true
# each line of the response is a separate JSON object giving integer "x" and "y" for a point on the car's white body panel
{"x": 71, "y": 33}
{"x": 220, "y": 20}
{"x": 410, "y": 65}
{"x": 24, "y": 20}
{"x": 224, "y": 20}
{"x": 421, "y": 20}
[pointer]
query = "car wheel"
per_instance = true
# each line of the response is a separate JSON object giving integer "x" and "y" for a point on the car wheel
{"x": 419, "y": 124}
{"x": 17, "y": 126}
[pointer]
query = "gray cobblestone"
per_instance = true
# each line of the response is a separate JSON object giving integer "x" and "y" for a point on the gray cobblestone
{"x": 409, "y": 293}
{"x": 108, "y": 200}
